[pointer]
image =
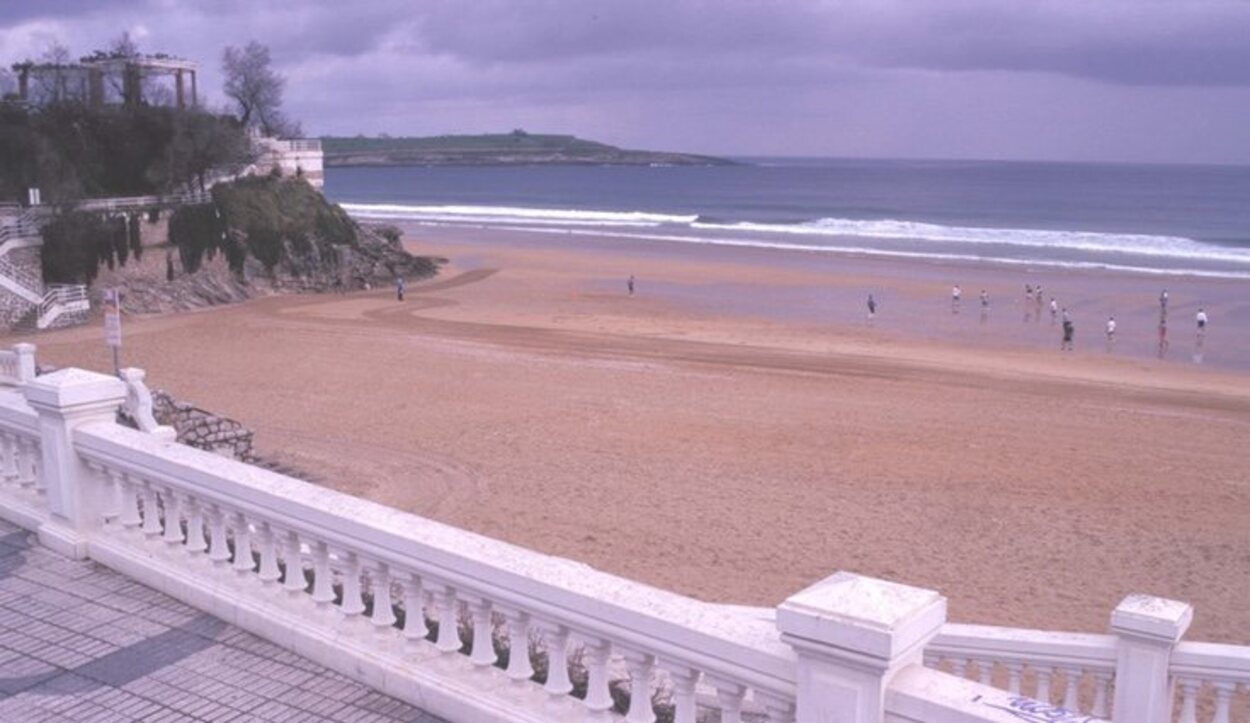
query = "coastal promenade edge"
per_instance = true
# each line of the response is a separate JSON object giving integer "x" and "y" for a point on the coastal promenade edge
{"x": 334, "y": 578}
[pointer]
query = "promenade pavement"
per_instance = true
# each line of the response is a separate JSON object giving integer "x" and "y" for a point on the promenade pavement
{"x": 80, "y": 643}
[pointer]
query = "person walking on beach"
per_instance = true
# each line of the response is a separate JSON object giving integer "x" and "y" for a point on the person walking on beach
{"x": 1110, "y": 332}
{"x": 1163, "y": 302}
{"x": 1038, "y": 295}
{"x": 956, "y": 294}
{"x": 872, "y": 307}
{"x": 1054, "y": 309}
{"x": 1066, "y": 317}
{"x": 1201, "y": 318}
{"x": 1068, "y": 331}
{"x": 985, "y": 299}
{"x": 630, "y": 284}
{"x": 399, "y": 288}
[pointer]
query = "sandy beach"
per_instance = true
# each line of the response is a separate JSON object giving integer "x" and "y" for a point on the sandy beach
{"x": 737, "y": 430}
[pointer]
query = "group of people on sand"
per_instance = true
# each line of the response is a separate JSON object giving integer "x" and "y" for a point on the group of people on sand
{"x": 1034, "y": 301}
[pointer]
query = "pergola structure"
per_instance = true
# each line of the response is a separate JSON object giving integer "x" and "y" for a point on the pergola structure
{"x": 86, "y": 79}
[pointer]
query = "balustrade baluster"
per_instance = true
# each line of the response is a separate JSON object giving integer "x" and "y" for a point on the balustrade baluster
{"x": 684, "y": 681}
{"x": 595, "y": 653}
{"x": 293, "y": 580}
{"x": 959, "y": 667}
{"x": 641, "y": 666}
{"x": 1043, "y": 684}
{"x": 556, "y": 641}
{"x": 130, "y": 518}
{"x": 36, "y": 468}
{"x": 151, "y": 512}
{"x": 173, "y": 517}
{"x": 1223, "y": 701}
{"x": 448, "y": 623}
{"x": 25, "y": 462}
{"x": 323, "y": 586}
{"x": 195, "y": 526}
{"x": 353, "y": 602}
{"x": 383, "y": 616}
{"x": 729, "y": 695}
{"x": 218, "y": 550}
{"x": 985, "y": 671}
{"x": 519, "y": 667}
{"x": 1015, "y": 672}
{"x": 1189, "y": 700}
{"x": 243, "y": 560}
{"x": 8, "y": 465}
{"x": 112, "y": 494}
{"x": 1071, "y": 689}
{"x": 779, "y": 710}
{"x": 415, "y": 628}
{"x": 270, "y": 573}
{"x": 483, "y": 646}
{"x": 1101, "y": 683}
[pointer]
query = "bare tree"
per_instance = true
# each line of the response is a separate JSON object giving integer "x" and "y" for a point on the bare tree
{"x": 124, "y": 46}
{"x": 53, "y": 84}
{"x": 256, "y": 88}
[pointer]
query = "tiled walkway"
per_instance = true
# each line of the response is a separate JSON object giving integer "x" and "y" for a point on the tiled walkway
{"x": 80, "y": 643}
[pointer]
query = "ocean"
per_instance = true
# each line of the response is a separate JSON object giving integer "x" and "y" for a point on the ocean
{"x": 1151, "y": 219}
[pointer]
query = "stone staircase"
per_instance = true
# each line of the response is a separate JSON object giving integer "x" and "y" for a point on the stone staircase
{"x": 25, "y": 303}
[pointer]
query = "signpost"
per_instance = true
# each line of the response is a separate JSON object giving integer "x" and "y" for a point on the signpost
{"x": 113, "y": 325}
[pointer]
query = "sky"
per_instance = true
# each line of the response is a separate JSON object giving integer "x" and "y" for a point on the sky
{"x": 1062, "y": 80}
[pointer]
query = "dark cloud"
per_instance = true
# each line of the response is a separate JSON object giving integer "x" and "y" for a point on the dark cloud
{"x": 836, "y": 74}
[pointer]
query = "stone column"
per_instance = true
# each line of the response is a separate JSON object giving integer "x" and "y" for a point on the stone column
{"x": 852, "y": 634}
{"x": 178, "y": 86}
{"x": 95, "y": 87}
{"x": 1146, "y": 629}
{"x": 195, "y": 97}
{"x": 64, "y": 401}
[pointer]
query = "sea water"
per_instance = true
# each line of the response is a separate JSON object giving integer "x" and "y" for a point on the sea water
{"x": 1154, "y": 219}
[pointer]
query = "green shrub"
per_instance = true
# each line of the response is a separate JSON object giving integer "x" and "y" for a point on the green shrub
{"x": 196, "y": 231}
{"x": 74, "y": 244}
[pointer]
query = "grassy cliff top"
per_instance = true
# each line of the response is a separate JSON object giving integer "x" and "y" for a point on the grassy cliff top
{"x": 509, "y": 142}
{"x": 516, "y": 148}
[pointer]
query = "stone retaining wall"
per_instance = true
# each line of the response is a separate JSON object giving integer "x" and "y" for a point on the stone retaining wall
{"x": 202, "y": 429}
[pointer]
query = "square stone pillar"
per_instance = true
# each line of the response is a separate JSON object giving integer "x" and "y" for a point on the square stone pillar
{"x": 852, "y": 634}
{"x": 1146, "y": 629}
{"x": 25, "y": 362}
{"x": 64, "y": 401}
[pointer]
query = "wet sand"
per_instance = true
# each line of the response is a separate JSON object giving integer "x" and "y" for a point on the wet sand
{"x": 736, "y": 430}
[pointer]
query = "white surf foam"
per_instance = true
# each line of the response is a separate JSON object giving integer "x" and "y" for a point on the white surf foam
{"x": 512, "y": 214}
{"x": 923, "y": 237}
{"x": 1168, "y": 246}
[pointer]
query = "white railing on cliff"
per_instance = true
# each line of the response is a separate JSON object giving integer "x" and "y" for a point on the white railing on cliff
{"x": 423, "y": 611}
{"x": 60, "y": 300}
{"x": 139, "y": 203}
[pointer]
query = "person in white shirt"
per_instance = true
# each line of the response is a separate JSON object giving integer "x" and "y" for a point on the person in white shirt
{"x": 1054, "y": 308}
{"x": 1110, "y": 332}
{"x": 1201, "y": 318}
{"x": 955, "y": 294}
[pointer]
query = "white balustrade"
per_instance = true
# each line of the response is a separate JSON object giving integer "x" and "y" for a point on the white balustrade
{"x": 1212, "y": 682}
{"x": 338, "y": 571}
{"x": 1056, "y": 662}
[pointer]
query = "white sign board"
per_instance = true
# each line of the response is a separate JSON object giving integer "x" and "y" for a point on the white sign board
{"x": 112, "y": 318}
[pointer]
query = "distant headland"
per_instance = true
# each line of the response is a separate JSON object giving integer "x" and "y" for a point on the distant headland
{"x": 496, "y": 149}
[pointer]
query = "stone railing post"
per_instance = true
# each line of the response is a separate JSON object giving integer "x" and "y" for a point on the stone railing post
{"x": 852, "y": 634}
{"x": 65, "y": 400}
{"x": 1146, "y": 629}
{"x": 25, "y": 362}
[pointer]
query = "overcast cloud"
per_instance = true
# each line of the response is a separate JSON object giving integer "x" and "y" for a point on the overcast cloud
{"x": 1125, "y": 80}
